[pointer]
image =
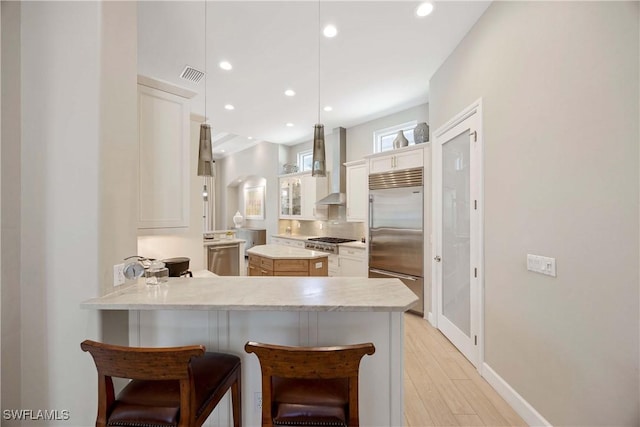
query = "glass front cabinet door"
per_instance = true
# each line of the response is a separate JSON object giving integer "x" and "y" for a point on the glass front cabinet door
{"x": 290, "y": 197}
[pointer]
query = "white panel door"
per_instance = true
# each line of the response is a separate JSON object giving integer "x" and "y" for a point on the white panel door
{"x": 457, "y": 229}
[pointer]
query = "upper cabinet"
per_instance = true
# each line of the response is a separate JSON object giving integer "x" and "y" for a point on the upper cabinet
{"x": 163, "y": 138}
{"x": 402, "y": 158}
{"x": 290, "y": 197}
{"x": 299, "y": 194}
{"x": 357, "y": 191}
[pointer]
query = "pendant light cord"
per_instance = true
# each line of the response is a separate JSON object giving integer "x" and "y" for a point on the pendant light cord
{"x": 318, "y": 36}
{"x": 206, "y": 77}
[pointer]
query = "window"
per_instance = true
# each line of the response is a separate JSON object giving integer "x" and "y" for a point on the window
{"x": 383, "y": 138}
{"x": 305, "y": 160}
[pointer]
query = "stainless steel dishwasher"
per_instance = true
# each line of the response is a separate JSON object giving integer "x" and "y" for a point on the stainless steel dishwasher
{"x": 223, "y": 260}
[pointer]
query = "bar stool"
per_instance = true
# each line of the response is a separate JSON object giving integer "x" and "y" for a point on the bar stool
{"x": 310, "y": 386}
{"x": 170, "y": 386}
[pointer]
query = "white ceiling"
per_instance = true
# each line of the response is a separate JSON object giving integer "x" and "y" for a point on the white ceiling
{"x": 379, "y": 63}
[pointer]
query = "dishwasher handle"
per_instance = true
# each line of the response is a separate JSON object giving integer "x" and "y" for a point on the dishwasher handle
{"x": 215, "y": 248}
{"x": 396, "y": 275}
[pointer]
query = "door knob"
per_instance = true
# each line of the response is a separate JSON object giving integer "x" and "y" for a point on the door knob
{"x": 437, "y": 258}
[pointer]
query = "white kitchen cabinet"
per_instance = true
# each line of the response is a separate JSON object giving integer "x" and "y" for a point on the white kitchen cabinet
{"x": 353, "y": 261}
{"x": 163, "y": 138}
{"x": 401, "y": 158}
{"x": 333, "y": 267}
{"x": 299, "y": 194}
{"x": 357, "y": 191}
{"x": 290, "y": 197}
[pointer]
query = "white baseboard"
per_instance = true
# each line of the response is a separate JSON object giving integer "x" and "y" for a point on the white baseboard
{"x": 431, "y": 319}
{"x": 517, "y": 402}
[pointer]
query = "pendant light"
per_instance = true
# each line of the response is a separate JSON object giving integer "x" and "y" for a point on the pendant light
{"x": 205, "y": 153}
{"x": 318, "y": 167}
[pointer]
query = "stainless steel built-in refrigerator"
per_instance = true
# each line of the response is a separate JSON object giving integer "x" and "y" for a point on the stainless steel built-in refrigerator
{"x": 396, "y": 237}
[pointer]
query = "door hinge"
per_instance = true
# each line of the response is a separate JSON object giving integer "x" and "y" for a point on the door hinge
{"x": 475, "y": 205}
{"x": 475, "y": 136}
{"x": 476, "y": 339}
{"x": 475, "y": 272}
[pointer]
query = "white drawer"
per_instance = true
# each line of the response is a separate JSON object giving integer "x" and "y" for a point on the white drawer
{"x": 351, "y": 252}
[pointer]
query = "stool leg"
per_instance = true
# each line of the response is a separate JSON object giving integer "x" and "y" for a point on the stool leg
{"x": 236, "y": 399}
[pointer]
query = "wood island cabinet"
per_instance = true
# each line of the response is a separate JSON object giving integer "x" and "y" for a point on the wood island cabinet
{"x": 263, "y": 266}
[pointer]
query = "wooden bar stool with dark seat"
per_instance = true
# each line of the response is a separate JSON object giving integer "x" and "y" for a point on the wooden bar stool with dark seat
{"x": 310, "y": 386}
{"x": 170, "y": 386}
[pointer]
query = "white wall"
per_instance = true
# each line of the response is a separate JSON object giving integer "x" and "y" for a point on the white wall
{"x": 559, "y": 84}
{"x": 187, "y": 242}
{"x": 260, "y": 161}
{"x": 78, "y": 156}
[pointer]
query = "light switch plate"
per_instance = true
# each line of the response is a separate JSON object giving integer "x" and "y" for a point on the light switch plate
{"x": 541, "y": 264}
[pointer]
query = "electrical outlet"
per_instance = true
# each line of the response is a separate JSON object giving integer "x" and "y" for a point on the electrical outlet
{"x": 257, "y": 400}
{"x": 118, "y": 275}
{"x": 541, "y": 264}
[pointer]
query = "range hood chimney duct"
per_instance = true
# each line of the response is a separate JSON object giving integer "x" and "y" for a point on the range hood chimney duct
{"x": 337, "y": 147}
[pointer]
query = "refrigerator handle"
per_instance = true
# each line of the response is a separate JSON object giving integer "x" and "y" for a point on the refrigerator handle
{"x": 397, "y": 276}
{"x": 370, "y": 210}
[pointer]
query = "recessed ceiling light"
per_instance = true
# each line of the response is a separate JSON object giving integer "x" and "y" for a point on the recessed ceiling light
{"x": 249, "y": 137}
{"x": 289, "y": 92}
{"x": 328, "y": 108}
{"x": 424, "y": 9}
{"x": 229, "y": 107}
{"x": 330, "y": 31}
{"x": 222, "y": 151}
{"x": 289, "y": 125}
{"x": 225, "y": 65}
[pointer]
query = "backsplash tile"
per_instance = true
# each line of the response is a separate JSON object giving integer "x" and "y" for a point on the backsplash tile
{"x": 343, "y": 229}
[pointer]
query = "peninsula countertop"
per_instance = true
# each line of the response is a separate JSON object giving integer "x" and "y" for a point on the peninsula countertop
{"x": 285, "y": 252}
{"x": 242, "y": 293}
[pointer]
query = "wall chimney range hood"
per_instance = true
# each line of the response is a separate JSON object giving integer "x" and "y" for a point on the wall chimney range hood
{"x": 336, "y": 146}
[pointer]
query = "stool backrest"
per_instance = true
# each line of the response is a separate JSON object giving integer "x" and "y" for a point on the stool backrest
{"x": 309, "y": 363}
{"x": 140, "y": 363}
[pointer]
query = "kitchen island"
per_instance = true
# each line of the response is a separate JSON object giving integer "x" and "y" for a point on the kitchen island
{"x": 277, "y": 260}
{"x": 223, "y": 313}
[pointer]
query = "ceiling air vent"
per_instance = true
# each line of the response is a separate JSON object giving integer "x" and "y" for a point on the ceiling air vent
{"x": 191, "y": 74}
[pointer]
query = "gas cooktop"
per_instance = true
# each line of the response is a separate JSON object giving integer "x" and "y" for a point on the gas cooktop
{"x": 334, "y": 240}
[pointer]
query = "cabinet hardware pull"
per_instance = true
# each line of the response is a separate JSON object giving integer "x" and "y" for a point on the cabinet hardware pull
{"x": 399, "y": 276}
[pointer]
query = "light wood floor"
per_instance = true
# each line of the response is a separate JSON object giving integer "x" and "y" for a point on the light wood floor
{"x": 441, "y": 388}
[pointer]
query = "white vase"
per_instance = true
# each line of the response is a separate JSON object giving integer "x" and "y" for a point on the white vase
{"x": 237, "y": 219}
{"x": 400, "y": 140}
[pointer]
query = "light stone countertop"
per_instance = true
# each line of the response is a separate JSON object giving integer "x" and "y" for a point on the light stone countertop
{"x": 241, "y": 293}
{"x": 285, "y": 252}
{"x": 217, "y": 242}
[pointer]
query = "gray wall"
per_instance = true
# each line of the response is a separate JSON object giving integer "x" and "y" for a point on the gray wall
{"x": 559, "y": 84}
{"x": 250, "y": 165}
{"x": 360, "y": 137}
{"x": 73, "y": 174}
{"x": 11, "y": 120}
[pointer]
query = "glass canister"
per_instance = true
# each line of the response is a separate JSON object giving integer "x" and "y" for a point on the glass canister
{"x": 156, "y": 273}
